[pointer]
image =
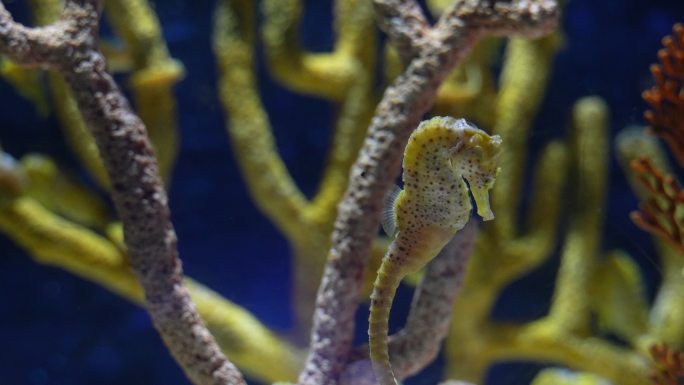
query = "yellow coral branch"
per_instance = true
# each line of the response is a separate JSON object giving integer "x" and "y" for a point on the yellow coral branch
{"x": 541, "y": 226}
{"x": 152, "y": 82}
{"x": 307, "y": 225}
{"x": 667, "y": 312}
{"x": 60, "y": 193}
{"x": 558, "y": 376}
{"x": 326, "y": 75}
{"x": 57, "y": 242}
{"x": 469, "y": 91}
{"x": 570, "y": 308}
{"x": 269, "y": 182}
{"x": 618, "y": 298}
{"x": 520, "y": 255}
{"x": 27, "y": 83}
{"x": 540, "y": 341}
{"x": 76, "y": 133}
{"x": 523, "y": 81}
{"x": 155, "y": 74}
{"x": 355, "y": 114}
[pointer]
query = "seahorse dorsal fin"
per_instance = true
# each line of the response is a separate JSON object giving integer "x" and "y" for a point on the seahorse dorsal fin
{"x": 389, "y": 220}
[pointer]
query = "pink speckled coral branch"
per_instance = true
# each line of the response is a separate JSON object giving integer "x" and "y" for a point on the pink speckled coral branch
{"x": 404, "y": 23}
{"x": 407, "y": 99}
{"x": 69, "y": 46}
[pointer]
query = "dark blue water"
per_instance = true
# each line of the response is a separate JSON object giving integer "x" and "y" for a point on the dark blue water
{"x": 60, "y": 330}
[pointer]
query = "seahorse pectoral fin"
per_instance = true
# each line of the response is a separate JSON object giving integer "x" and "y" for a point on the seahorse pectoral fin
{"x": 481, "y": 197}
{"x": 389, "y": 220}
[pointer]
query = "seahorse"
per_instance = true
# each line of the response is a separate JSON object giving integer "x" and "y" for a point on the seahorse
{"x": 441, "y": 155}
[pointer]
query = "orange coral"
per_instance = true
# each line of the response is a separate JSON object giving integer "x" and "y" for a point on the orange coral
{"x": 669, "y": 365}
{"x": 666, "y": 97}
{"x": 662, "y": 214}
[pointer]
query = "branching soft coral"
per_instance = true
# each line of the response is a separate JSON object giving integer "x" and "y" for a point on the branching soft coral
{"x": 669, "y": 365}
{"x": 666, "y": 97}
{"x": 663, "y": 213}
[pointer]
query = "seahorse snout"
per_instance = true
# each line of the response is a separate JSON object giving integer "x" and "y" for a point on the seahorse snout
{"x": 481, "y": 197}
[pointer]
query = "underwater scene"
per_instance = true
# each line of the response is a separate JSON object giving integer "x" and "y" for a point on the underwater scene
{"x": 348, "y": 192}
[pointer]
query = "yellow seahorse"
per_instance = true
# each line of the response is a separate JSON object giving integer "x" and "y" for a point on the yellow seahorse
{"x": 431, "y": 208}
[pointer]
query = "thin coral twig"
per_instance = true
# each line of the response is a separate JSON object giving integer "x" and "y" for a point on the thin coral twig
{"x": 669, "y": 365}
{"x": 417, "y": 344}
{"x": 662, "y": 213}
{"x": 403, "y": 104}
{"x": 666, "y": 97}
{"x": 69, "y": 46}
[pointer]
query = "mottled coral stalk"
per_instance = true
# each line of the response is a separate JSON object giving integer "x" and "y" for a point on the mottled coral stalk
{"x": 405, "y": 25}
{"x": 69, "y": 46}
{"x": 409, "y": 97}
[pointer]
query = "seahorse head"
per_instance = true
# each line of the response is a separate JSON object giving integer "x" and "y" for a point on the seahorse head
{"x": 475, "y": 158}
